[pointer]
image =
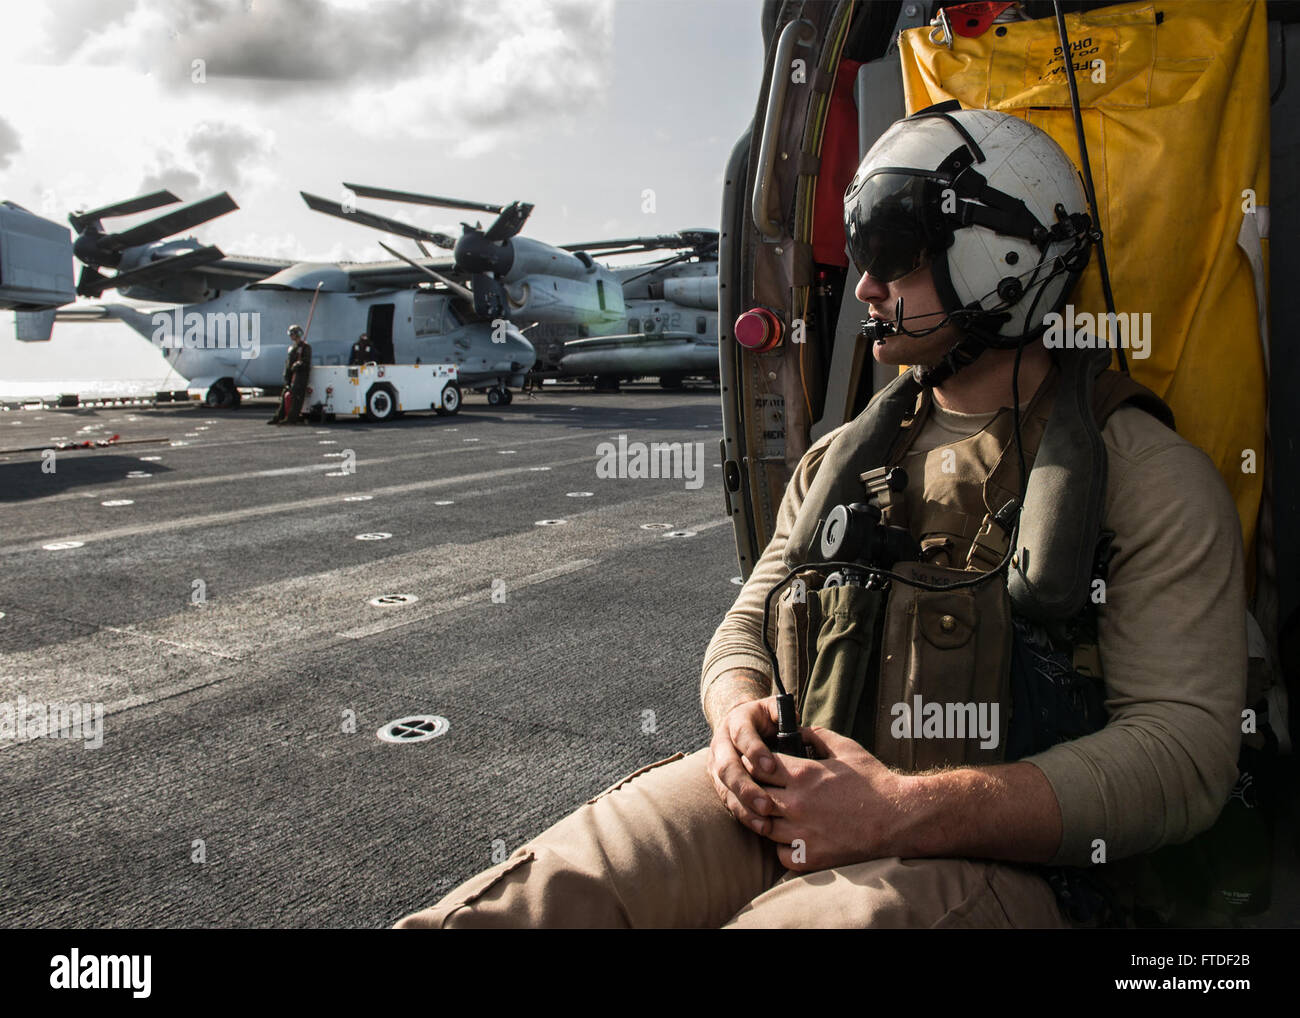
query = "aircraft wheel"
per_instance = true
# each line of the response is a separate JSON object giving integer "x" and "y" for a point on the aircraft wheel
{"x": 508, "y": 396}
{"x": 222, "y": 395}
{"x": 381, "y": 403}
{"x": 670, "y": 381}
{"x": 495, "y": 398}
{"x": 450, "y": 400}
{"x": 607, "y": 383}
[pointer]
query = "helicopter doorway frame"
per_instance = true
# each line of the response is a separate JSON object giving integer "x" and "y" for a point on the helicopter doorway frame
{"x": 379, "y": 327}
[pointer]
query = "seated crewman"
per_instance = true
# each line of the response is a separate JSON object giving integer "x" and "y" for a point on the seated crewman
{"x": 1112, "y": 721}
{"x": 362, "y": 351}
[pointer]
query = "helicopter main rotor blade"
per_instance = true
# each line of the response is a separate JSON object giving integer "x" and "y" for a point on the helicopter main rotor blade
{"x": 661, "y": 265}
{"x": 672, "y": 241}
{"x": 173, "y": 222}
{"x": 642, "y": 244}
{"x": 144, "y": 203}
{"x": 413, "y": 198}
{"x": 456, "y": 288}
{"x": 376, "y": 222}
{"x": 509, "y": 223}
{"x": 621, "y": 251}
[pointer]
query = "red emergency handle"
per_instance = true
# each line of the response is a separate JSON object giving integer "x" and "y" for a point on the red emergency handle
{"x": 758, "y": 330}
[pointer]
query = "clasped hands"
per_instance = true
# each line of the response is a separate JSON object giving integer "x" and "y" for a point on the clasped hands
{"x": 842, "y": 808}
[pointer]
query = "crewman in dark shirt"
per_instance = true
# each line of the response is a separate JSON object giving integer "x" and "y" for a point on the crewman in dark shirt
{"x": 362, "y": 352}
{"x": 297, "y": 369}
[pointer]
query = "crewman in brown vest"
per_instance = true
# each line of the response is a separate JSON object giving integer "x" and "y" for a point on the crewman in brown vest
{"x": 1010, "y": 731}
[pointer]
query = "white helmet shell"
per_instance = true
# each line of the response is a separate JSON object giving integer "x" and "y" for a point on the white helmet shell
{"x": 973, "y": 259}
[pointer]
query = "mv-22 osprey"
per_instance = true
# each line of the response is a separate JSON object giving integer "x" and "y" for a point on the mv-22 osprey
{"x": 229, "y": 328}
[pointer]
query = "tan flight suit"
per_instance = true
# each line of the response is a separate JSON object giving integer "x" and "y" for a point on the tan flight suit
{"x": 659, "y": 849}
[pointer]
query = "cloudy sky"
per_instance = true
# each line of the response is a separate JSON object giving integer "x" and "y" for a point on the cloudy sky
{"x": 578, "y": 106}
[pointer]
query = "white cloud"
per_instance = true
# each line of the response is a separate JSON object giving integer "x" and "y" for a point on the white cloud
{"x": 10, "y": 143}
{"x": 478, "y": 75}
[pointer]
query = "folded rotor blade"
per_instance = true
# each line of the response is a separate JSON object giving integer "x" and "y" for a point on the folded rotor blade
{"x": 456, "y": 288}
{"x": 703, "y": 239}
{"x": 173, "y": 222}
{"x": 92, "y": 283}
{"x": 387, "y": 194}
{"x": 376, "y": 222}
{"x": 509, "y": 223}
{"x": 144, "y": 203}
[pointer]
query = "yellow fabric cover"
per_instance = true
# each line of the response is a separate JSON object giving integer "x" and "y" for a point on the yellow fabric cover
{"x": 1176, "y": 120}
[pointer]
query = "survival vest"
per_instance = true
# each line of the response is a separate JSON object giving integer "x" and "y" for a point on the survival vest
{"x": 978, "y": 674}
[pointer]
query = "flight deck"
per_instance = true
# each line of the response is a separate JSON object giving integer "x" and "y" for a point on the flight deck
{"x": 250, "y": 605}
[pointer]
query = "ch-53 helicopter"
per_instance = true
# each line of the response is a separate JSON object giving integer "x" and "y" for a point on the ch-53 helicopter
{"x": 669, "y": 327}
{"x": 671, "y": 324}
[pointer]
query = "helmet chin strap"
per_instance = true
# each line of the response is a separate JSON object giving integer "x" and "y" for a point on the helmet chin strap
{"x": 962, "y": 353}
{"x": 959, "y": 355}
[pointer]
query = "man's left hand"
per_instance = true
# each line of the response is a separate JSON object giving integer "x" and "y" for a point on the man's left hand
{"x": 846, "y": 807}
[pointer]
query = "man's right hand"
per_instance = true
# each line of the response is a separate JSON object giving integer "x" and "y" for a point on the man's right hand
{"x": 738, "y": 740}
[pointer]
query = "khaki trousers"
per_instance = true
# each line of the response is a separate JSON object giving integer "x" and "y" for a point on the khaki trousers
{"x": 658, "y": 849}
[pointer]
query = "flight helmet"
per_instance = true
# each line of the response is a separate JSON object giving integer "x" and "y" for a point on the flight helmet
{"x": 990, "y": 202}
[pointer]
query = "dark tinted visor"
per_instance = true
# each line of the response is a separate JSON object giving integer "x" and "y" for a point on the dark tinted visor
{"x": 890, "y": 222}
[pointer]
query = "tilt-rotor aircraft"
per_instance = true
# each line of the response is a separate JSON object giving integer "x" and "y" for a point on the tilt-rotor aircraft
{"x": 455, "y": 311}
{"x": 36, "y": 259}
{"x": 230, "y": 327}
{"x": 147, "y": 266}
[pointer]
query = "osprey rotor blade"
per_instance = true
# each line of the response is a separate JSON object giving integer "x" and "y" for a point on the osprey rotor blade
{"x": 92, "y": 283}
{"x": 173, "y": 222}
{"x": 144, "y": 203}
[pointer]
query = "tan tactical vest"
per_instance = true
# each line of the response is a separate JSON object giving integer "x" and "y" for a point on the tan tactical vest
{"x": 922, "y": 678}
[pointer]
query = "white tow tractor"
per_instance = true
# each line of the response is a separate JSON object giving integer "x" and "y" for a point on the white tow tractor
{"x": 381, "y": 392}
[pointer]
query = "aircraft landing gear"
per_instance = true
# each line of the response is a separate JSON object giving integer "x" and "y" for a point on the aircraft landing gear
{"x": 607, "y": 383}
{"x": 222, "y": 395}
{"x": 500, "y": 396}
{"x": 671, "y": 381}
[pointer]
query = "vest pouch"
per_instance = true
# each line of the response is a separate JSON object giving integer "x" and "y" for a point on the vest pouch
{"x": 944, "y": 692}
{"x": 796, "y": 620}
{"x": 844, "y": 634}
